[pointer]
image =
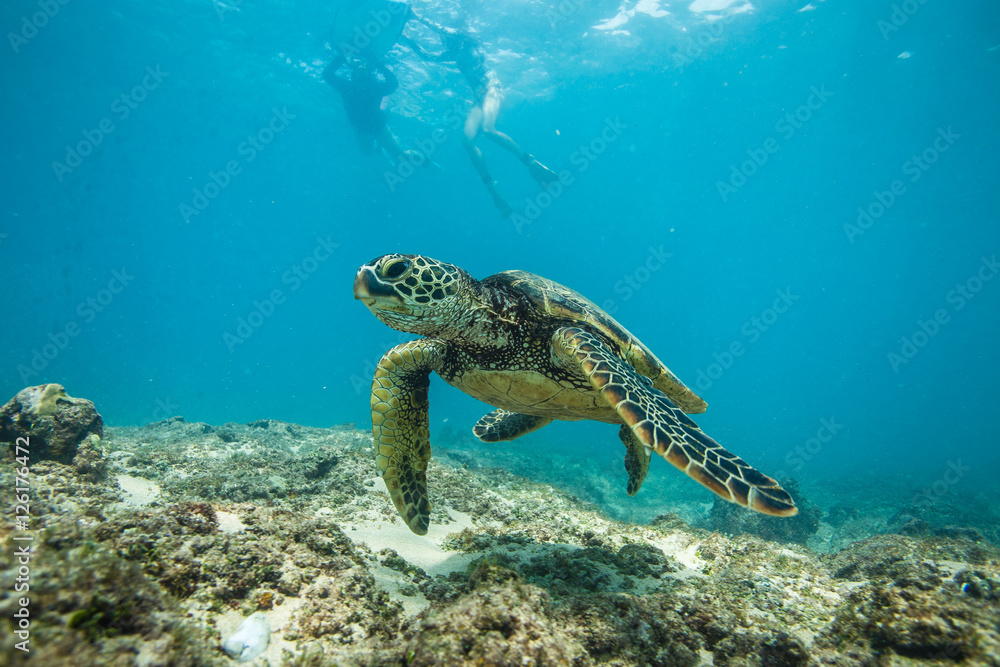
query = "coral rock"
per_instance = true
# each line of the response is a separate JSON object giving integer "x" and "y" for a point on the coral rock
{"x": 498, "y": 625}
{"x": 732, "y": 519}
{"x": 53, "y": 422}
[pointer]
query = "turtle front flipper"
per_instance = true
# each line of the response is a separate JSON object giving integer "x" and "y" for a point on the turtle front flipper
{"x": 659, "y": 424}
{"x": 401, "y": 430}
{"x": 506, "y": 425}
{"x": 637, "y": 457}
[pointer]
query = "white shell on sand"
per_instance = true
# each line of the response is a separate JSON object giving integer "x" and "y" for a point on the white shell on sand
{"x": 250, "y": 639}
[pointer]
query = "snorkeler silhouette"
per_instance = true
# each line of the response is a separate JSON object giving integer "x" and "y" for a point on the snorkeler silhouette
{"x": 364, "y": 90}
{"x": 466, "y": 53}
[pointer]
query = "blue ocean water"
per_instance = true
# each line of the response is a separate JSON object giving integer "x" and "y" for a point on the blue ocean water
{"x": 794, "y": 204}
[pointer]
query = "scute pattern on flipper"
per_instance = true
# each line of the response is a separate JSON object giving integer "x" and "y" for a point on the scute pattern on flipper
{"x": 637, "y": 456}
{"x": 661, "y": 425}
{"x": 400, "y": 427}
{"x": 501, "y": 425}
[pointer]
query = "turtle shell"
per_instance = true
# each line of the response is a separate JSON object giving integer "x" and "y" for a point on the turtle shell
{"x": 550, "y": 299}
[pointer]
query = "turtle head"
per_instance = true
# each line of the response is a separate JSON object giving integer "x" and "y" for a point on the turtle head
{"x": 413, "y": 293}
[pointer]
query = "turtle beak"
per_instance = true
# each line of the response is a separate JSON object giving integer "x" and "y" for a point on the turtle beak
{"x": 369, "y": 289}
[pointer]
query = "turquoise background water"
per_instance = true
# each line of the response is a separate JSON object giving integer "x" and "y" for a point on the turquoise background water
{"x": 839, "y": 97}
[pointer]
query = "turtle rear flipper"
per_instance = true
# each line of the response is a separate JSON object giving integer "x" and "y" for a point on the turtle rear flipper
{"x": 401, "y": 430}
{"x": 636, "y": 459}
{"x": 506, "y": 425}
{"x": 659, "y": 424}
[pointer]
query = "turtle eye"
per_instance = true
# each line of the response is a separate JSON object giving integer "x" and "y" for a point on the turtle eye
{"x": 396, "y": 268}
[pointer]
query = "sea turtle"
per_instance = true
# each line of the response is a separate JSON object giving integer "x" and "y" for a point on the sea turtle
{"x": 536, "y": 351}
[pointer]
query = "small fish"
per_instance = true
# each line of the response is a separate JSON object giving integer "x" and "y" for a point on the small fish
{"x": 904, "y": 55}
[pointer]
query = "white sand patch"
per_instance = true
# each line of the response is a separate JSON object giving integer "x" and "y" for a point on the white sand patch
{"x": 681, "y": 546}
{"x": 393, "y": 583}
{"x": 139, "y": 492}
{"x": 229, "y": 522}
{"x": 424, "y": 551}
{"x": 951, "y": 567}
{"x": 846, "y": 588}
{"x": 831, "y": 598}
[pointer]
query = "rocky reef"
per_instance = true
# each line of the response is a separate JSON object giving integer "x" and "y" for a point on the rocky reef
{"x": 55, "y": 422}
{"x": 161, "y": 541}
{"x": 732, "y": 519}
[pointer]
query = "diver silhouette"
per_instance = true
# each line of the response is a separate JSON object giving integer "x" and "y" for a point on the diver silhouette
{"x": 466, "y": 53}
{"x": 364, "y": 90}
